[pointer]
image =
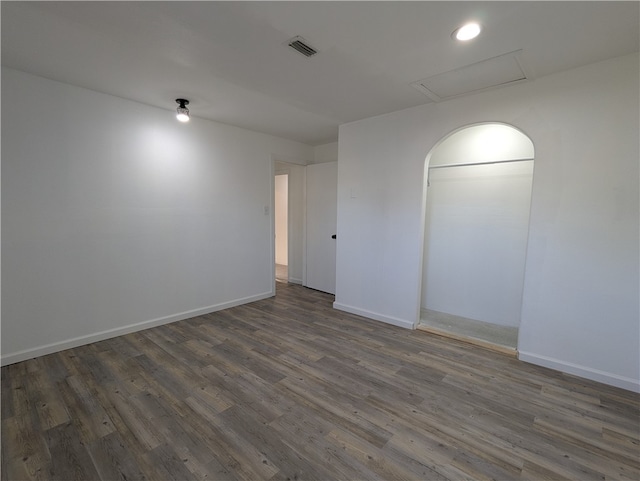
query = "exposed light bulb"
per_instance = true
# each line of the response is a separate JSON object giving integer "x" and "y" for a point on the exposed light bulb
{"x": 182, "y": 110}
{"x": 467, "y": 32}
{"x": 182, "y": 116}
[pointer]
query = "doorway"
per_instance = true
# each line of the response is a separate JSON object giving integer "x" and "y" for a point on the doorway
{"x": 282, "y": 227}
{"x": 291, "y": 214}
{"x": 478, "y": 199}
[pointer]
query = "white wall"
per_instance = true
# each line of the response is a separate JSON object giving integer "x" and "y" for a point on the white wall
{"x": 482, "y": 143}
{"x": 116, "y": 217}
{"x": 477, "y": 224}
{"x": 580, "y": 299}
{"x": 282, "y": 218}
{"x": 325, "y": 153}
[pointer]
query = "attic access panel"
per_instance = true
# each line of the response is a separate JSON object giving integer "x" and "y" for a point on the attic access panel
{"x": 494, "y": 72}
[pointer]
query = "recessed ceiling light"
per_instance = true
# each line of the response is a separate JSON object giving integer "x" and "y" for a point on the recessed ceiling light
{"x": 467, "y": 32}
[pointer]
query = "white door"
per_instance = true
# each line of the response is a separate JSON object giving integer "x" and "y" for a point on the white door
{"x": 322, "y": 206}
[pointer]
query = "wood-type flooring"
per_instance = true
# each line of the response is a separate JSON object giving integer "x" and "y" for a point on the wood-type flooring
{"x": 288, "y": 388}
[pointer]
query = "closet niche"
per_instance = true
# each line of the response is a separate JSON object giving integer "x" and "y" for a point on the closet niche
{"x": 478, "y": 199}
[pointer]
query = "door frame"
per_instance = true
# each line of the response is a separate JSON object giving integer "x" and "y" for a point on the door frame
{"x": 284, "y": 168}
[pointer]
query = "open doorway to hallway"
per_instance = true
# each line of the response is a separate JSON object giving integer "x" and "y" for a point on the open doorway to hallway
{"x": 281, "y": 227}
{"x": 289, "y": 220}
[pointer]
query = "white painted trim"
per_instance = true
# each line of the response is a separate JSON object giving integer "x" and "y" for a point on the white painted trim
{"x": 304, "y": 226}
{"x": 627, "y": 383}
{"x": 272, "y": 223}
{"x": 289, "y": 227}
{"x": 295, "y": 281}
{"x": 7, "y": 359}
{"x": 375, "y": 316}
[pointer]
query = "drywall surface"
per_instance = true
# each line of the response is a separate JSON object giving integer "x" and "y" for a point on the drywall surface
{"x": 325, "y": 153}
{"x": 477, "y": 224}
{"x": 580, "y": 298}
{"x": 489, "y": 142}
{"x": 116, "y": 217}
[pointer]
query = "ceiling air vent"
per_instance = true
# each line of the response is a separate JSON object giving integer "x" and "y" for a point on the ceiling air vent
{"x": 299, "y": 45}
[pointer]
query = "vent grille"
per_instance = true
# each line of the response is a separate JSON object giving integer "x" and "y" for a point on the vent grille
{"x": 299, "y": 45}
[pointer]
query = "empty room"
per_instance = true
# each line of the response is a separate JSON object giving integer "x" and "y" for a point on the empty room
{"x": 320, "y": 240}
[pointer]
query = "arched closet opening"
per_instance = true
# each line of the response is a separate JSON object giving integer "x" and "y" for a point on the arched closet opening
{"x": 478, "y": 198}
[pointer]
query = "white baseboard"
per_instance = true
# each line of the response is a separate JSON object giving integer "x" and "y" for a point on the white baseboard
{"x": 374, "y": 315}
{"x": 293, "y": 280}
{"x": 627, "y": 383}
{"x": 23, "y": 355}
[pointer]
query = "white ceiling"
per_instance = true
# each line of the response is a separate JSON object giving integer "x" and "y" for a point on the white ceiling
{"x": 231, "y": 61}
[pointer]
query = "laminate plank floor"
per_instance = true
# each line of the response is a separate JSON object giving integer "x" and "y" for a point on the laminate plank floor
{"x": 288, "y": 388}
{"x": 462, "y": 328}
{"x": 282, "y": 273}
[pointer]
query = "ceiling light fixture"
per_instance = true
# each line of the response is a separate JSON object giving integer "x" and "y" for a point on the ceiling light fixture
{"x": 468, "y": 31}
{"x": 183, "y": 111}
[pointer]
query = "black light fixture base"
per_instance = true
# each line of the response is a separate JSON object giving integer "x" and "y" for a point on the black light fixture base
{"x": 182, "y": 102}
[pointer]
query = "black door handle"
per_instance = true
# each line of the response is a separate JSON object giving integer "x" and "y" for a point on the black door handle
{"x": 333, "y": 236}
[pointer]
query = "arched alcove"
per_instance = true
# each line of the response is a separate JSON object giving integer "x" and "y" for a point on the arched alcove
{"x": 478, "y": 199}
